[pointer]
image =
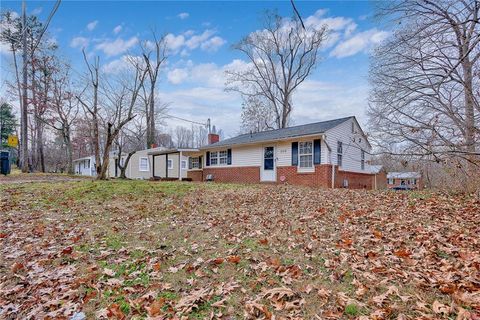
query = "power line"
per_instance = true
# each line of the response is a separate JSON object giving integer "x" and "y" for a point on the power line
{"x": 55, "y": 8}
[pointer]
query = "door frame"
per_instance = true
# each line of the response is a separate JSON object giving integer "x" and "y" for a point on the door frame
{"x": 262, "y": 171}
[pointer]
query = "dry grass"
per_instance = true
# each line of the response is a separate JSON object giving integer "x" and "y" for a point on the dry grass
{"x": 193, "y": 251}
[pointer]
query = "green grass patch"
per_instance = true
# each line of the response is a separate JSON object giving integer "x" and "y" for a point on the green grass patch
{"x": 352, "y": 310}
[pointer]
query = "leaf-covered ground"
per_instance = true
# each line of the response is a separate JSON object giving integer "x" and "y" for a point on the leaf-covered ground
{"x": 168, "y": 250}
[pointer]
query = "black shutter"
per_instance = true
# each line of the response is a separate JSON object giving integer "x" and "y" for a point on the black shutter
{"x": 190, "y": 163}
{"x": 294, "y": 153}
{"x": 208, "y": 159}
{"x": 200, "y": 164}
{"x": 229, "y": 156}
{"x": 316, "y": 151}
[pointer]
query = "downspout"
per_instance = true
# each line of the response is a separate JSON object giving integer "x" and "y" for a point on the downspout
{"x": 324, "y": 137}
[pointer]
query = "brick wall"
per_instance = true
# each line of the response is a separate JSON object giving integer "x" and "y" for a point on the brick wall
{"x": 355, "y": 180}
{"x": 234, "y": 174}
{"x": 196, "y": 175}
{"x": 322, "y": 177}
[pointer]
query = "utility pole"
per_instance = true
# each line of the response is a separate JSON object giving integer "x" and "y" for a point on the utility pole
{"x": 23, "y": 113}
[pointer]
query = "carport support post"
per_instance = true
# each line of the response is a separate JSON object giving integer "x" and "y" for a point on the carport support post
{"x": 153, "y": 166}
{"x": 180, "y": 166}
{"x": 166, "y": 165}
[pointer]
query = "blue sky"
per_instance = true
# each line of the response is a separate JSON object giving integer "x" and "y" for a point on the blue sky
{"x": 200, "y": 36}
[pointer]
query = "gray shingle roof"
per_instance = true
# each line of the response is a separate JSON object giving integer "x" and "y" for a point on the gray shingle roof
{"x": 279, "y": 134}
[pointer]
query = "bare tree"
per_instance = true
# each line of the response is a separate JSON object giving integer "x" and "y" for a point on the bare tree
{"x": 423, "y": 100}
{"x": 122, "y": 97}
{"x": 91, "y": 108}
{"x": 257, "y": 115}
{"x": 183, "y": 137}
{"x": 281, "y": 57}
{"x": 154, "y": 55}
{"x": 63, "y": 110}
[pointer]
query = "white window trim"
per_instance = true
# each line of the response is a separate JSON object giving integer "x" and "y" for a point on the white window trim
{"x": 218, "y": 164}
{"x": 197, "y": 167}
{"x": 305, "y": 169}
{"x": 170, "y": 164}
{"x": 140, "y": 164}
{"x": 183, "y": 164}
{"x": 340, "y": 153}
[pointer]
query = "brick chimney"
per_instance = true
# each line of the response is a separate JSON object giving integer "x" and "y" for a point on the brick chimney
{"x": 213, "y": 137}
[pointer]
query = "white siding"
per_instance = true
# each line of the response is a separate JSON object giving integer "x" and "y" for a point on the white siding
{"x": 353, "y": 143}
{"x": 82, "y": 167}
{"x": 244, "y": 156}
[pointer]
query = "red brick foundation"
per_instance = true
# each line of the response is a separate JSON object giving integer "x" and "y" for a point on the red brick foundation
{"x": 355, "y": 180}
{"x": 195, "y": 175}
{"x": 321, "y": 177}
{"x": 234, "y": 174}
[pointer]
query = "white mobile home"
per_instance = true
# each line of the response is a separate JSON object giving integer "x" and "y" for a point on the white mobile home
{"x": 85, "y": 166}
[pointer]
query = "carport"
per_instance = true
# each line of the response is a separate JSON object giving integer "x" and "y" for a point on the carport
{"x": 164, "y": 155}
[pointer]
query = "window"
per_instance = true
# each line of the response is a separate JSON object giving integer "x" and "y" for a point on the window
{"x": 353, "y": 127}
{"x": 362, "y": 161}
{"x": 143, "y": 164}
{"x": 218, "y": 158}
{"x": 391, "y": 181}
{"x": 214, "y": 158}
{"x": 184, "y": 164}
{"x": 195, "y": 163}
{"x": 339, "y": 153}
{"x": 222, "y": 156}
{"x": 305, "y": 154}
{"x": 170, "y": 164}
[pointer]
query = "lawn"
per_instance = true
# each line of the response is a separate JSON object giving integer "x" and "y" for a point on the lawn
{"x": 170, "y": 250}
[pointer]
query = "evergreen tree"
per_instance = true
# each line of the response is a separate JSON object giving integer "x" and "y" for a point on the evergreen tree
{"x": 7, "y": 123}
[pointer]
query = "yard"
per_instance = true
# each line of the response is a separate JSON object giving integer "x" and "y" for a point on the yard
{"x": 170, "y": 250}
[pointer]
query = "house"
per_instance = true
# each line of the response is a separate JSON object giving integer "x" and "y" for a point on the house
{"x": 156, "y": 163}
{"x": 406, "y": 180}
{"x": 328, "y": 154}
{"x": 85, "y": 166}
{"x": 379, "y": 177}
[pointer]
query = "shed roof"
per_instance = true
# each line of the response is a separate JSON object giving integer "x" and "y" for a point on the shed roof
{"x": 279, "y": 134}
{"x": 169, "y": 151}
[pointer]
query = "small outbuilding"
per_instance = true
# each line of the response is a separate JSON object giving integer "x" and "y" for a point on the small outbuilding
{"x": 404, "y": 180}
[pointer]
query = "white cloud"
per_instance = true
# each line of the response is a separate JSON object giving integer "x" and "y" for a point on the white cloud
{"x": 121, "y": 64}
{"x": 4, "y": 48}
{"x": 37, "y": 11}
{"x": 117, "y": 46}
{"x": 183, "y": 15}
{"x": 213, "y": 44}
{"x": 318, "y": 101}
{"x": 195, "y": 41}
{"x": 177, "y": 76}
{"x": 360, "y": 42}
{"x": 92, "y": 25}
{"x": 190, "y": 40}
{"x": 117, "y": 29}
{"x": 174, "y": 43}
{"x": 79, "y": 42}
{"x": 205, "y": 74}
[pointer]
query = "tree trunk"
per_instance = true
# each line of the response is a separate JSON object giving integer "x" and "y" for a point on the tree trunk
{"x": 469, "y": 116}
{"x": 123, "y": 168}
{"x": 151, "y": 119}
{"x": 69, "y": 150}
